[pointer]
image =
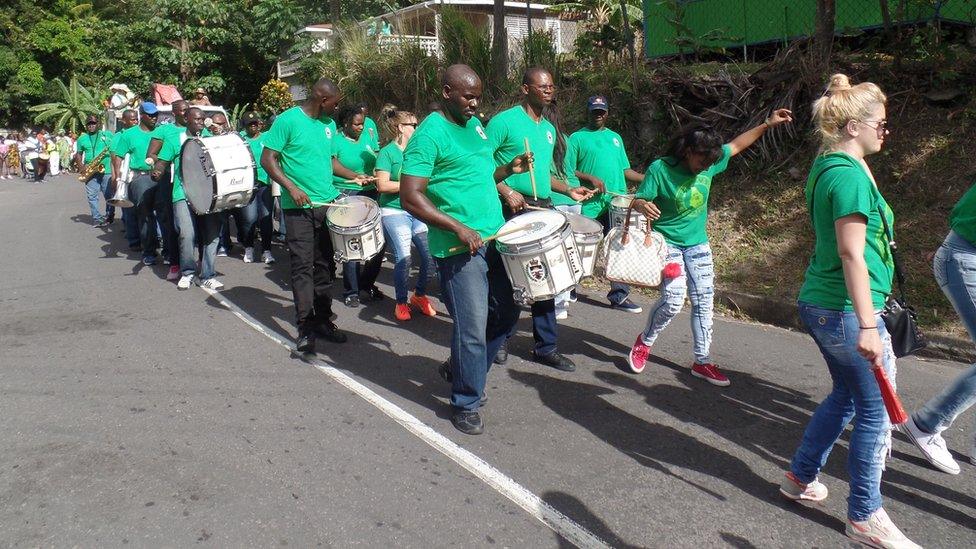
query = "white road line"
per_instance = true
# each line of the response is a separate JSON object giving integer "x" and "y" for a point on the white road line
{"x": 531, "y": 503}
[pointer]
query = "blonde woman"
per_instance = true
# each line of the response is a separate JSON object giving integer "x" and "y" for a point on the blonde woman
{"x": 402, "y": 228}
{"x": 844, "y": 290}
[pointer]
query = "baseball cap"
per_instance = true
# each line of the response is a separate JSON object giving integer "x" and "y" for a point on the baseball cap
{"x": 597, "y": 103}
{"x": 250, "y": 117}
{"x": 148, "y": 107}
{"x": 91, "y": 118}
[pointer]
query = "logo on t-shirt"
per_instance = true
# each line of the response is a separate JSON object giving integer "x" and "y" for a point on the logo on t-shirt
{"x": 693, "y": 196}
{"x": 549, "y": 137}
{"x": 328, "y": 132}
{"x": 481, "y": 132}
{"x": 616, "y": 142}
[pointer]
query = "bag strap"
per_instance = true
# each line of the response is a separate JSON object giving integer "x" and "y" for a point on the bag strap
{"x": 625, "y": 235}
{"x": 895, "y": 256}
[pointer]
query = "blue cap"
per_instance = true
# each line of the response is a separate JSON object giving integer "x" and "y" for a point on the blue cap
{"x": 148, "y": 107}
{"x": 597, "y": 103}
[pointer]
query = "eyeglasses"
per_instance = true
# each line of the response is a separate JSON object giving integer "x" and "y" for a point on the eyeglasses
{"x": 411, "y": 124}
{"x": 881, "y": 128}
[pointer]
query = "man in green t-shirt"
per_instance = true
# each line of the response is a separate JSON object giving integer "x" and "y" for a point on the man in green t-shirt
{"x": 508, "y": 133}
{"x": 298, "y": 156}
{"x": 129, "y": 120}
{"x": 134, "y": 144}
{"x": 164, "y": 189}
{"x": 448, "y": 182}
{"x": 596, "y": 157}
{"x": 90, "y": 145}
{"x": 257, "y": 213}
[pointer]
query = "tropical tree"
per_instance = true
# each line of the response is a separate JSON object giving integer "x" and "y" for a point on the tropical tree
{"x": 75, "y": 104}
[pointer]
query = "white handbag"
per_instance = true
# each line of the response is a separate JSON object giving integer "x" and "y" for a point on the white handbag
{"x": 632, "y": 256}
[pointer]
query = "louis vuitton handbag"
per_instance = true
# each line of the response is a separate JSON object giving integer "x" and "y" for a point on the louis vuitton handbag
{"x": 631, "y": 256}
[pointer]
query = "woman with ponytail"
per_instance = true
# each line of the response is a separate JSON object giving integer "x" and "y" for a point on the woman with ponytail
{"x": 400, "y": 227}
{"x": 844, "y": 290}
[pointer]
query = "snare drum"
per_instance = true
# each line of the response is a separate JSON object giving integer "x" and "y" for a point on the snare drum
{"x": 217, "y": 172}
{"x": 618, "y": 211}
{"x": 588, "y": 233}
{"x": 541, "y": 262}
{"x": 356, "y": 231}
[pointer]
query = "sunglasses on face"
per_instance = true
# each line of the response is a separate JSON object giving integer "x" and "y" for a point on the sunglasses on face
{"x": 411, "y": 124}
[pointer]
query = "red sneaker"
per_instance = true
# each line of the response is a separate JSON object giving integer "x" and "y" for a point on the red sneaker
{"x": 423, "y": 304}
{"x": 637, "y": 358}
{"x": 402, "y": 311}
{"x": 174, "y": 273}
{"x": 710, "y": 373}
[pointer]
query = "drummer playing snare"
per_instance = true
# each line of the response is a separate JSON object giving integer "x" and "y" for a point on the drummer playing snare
{"x": 448, "y": 182}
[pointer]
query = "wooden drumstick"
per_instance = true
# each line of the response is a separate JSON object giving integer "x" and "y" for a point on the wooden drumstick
{"x": 332, "y": 204}
{"x": 535, "y": 195}
{"x": 526, "y": 227}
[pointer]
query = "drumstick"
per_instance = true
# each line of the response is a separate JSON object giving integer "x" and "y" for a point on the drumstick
{"x": 618, "y": 194}
{"x": 540, "y": 208}
{"x": 535, "y": 195}
{"x": 527, "y": 226}
{"x": 332, "y": 204}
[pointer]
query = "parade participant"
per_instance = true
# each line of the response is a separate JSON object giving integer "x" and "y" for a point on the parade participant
{"x": 507, "y": 133}
{"x": 675, "y": 193}
{"x": 164, "y": 189}
{"x": 54, "y": 156}
{"x": 217, "y": 124}
{"x": 4, "y": 151}
{"x": 64, "y": 150}
{"x": 90, "y": 144}
{"x": 44, "y": 147}
{"x": 955, "y": 272}
{"x": 257, "y": 214}
{"x": 352, "y": 169}
{"x": 298, "y": 156}
{"x": 400, "y": 226}
{"x": 596, "y": 157}
{"x": 191, "y": 227}
{"x": 370, "y": 134}
{"x": 13, "y": 155}
{"x": 448, "y": 182}
{"x": 130, "y": 119}
{"x": 200, "y": 98}
{"x": 134, "y": 143}
{"x": 844, "y": 290}
{"x": 29, "y": 155}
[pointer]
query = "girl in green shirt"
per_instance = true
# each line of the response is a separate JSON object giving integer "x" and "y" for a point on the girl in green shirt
{"x": 845, "y": 288}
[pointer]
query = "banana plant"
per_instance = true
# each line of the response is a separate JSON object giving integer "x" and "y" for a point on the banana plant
{"x": 75, "y": 104}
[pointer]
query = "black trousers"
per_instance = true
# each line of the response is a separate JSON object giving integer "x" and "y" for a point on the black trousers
{"x": 312, "y": 265}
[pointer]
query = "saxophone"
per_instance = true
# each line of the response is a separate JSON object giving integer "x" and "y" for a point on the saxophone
{"x": 94, "y": 167}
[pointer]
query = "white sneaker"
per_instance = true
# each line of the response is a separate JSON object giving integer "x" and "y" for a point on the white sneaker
{"x": 562, "y": 315}
{"x": 796, "y": 491}
{"x": 933, "y": 447}
{"x": 248, "y": 255}
{"x": 267, "y": 257}
{"x": 879, "y": 531}
{"x": 212, "y": 284}
{"x": 185, "y": 281}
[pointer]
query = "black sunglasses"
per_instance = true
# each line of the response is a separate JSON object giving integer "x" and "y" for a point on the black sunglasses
{"x": 413, "y": 124}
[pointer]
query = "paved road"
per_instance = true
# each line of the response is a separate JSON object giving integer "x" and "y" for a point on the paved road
{"x": 135, "y": 414}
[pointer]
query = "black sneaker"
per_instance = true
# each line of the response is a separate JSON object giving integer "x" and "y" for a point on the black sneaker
{"x": 627, "y": 306}
{"x": 444, "y": 370}
{"x": 468, "y": 422}
{"x": 501, "y": 357}
{"x": 331, "y": 332}
{"x": 555, "y": 360}
{"x": 305, "y": 342}
{"x": 351, "y": 301}
{"x": 375, "y": 294}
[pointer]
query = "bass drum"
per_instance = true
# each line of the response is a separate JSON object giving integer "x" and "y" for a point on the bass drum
{"x": 217, "y": 172}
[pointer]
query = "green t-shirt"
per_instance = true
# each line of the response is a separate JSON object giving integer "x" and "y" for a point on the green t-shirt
{"x": 458, "y": 163}
{"x": 170, "y": 152}
{"x": 305, "y": 148}
{"x": 257, "y": 147}
{"x": 598, "y": 153}
{"x": 390, "y": 160}
{"x": 682, "y": 198}
{"x": 963, "y": 217}
{"x": 135, "y": 143}
{"x": 845, "y": 190}
{"x": 370, "y": 135}
{"x": 92, "y": 144}
{"x": 356, "y": 156}
{"x": 506, "y": 134}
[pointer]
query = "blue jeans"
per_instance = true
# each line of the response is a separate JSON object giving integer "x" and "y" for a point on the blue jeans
{"x": 256, "y": 218}
{"x": 143, "y": 193}
{"x": 855, "y": 394}
{"x": 618, "y": 292}
{"x": 955, "y": 271}
{"x": 401, "y": 229}
{"x": 697, "y": 281}
{"x": 95, "y": 187}
{"x": 478, "y": 296}
{"x": 204, "y": 227}
{"x": 131, "y": 224}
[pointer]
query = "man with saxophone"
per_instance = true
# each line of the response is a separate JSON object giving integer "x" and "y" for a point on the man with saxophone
{"x": 95, "y": 168}
{"x": 134, "y": 143}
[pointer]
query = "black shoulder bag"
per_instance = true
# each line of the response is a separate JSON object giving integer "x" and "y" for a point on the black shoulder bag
{"x": 899, "y": 317}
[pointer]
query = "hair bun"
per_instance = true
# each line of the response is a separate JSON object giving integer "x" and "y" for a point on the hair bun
{"x": 839, "y": 82}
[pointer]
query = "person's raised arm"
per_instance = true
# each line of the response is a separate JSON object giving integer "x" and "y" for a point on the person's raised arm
{"x": 745, "y": 140}
{"x": 851, "y": 231}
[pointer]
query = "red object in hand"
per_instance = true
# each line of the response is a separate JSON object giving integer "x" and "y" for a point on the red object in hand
{"x": 672, "y": 270}
{"x": 896, "y": 413}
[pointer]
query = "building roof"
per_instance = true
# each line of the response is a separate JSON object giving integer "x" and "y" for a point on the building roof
{"x": 431, "y": 4}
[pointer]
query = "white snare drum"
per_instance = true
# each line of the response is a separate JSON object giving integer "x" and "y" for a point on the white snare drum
{"x": 541, "y": 262}
{"x": 217, "y": 172}
{"x": 355, "y": 230}
{"x": 618, "y": 211}
{"x": 588, "y": 233}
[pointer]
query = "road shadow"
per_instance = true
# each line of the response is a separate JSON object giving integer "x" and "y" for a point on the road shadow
{"x": 575, "y": 509}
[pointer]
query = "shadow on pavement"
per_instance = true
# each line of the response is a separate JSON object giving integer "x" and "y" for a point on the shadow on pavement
{"x": 572, "y": 507}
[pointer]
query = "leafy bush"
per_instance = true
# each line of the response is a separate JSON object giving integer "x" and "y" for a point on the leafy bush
{"x": 274, "y": 97}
